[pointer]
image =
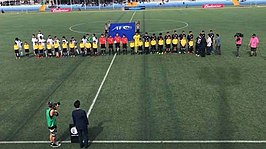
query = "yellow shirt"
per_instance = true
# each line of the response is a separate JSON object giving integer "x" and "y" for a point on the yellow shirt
{"x": 160, "y": 42}
{"x": 40, "y": 47}
{"x": 132, "y": 44}
{"x": 81, "y": 45}
{"x": 64, "y": 45}
{"x": 136, "y": 38}
{"x": 71, "y": 45}
{"x": 175, "y": 41}
{"x": 26, "y": 46}
{"x": 140, "y": 43}
{"x": 36, "y": 46}
{"x": 168, "y": 41}
{"x": 48, "y": 46}
{"x": 94, "y": 45}
{"x": 88, "y": 45}
{"x": 153, "y": 42}
{"x": 16, "y": 47}
{"x": 191, "y": 43}
{"x": 183, "y": 42}
{"x": 56, "y": 45}
{"x": 146, "y": 44}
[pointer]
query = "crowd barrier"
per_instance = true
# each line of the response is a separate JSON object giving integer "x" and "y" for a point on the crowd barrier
{"x": 184, "y": 4}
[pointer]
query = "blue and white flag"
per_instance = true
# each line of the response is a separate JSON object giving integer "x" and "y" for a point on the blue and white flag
{"x": 122, "y": 28}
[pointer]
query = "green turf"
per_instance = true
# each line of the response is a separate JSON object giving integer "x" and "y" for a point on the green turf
{"x": 153, "y": 97}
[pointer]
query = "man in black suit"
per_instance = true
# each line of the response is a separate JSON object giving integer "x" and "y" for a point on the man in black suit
{"x": 81, "y": 122}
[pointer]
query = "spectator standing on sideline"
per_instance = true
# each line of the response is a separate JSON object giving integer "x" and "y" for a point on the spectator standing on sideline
{"x": 218, "y": 44}
{"x": 253, "y": 43}
{"x": 212, "y": 38}
{"x": 238, "y": 41}
{"x": 202, "y": 45}
{"x": 81, "y": 122}
{"x": 209, "y": 44}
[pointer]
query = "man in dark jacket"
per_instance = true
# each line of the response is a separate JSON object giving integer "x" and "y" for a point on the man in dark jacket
{"x": 202, "y": 45}
{"x": 81, "y": 122}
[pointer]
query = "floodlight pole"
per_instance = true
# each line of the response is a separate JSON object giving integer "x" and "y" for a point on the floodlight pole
{"x": 71, "y": 4}
{"x": 99, "y": 4}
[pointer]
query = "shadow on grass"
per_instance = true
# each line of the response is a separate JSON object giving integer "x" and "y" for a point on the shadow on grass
{"x": 223, "y": 78}
{"x": 93, "y": 132}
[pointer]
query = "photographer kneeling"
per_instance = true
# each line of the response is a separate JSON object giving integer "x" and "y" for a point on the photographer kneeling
{"x": 238, "y": 41}
{"x": 50, "y": 115}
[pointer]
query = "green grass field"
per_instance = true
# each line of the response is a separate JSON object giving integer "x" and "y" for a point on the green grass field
{"x": 147, "y": 97}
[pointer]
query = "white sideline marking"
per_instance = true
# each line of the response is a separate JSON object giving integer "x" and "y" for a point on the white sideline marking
{"x": 132, "y": 16}
{"x": 149, "y": 142}
{"x": 100, "y": 88}
{"x": 104, "y": 78}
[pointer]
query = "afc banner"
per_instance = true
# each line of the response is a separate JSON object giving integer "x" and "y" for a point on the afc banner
{"x": 122, "y": 28}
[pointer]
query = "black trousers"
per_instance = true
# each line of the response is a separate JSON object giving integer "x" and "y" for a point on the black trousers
{"x": 83, "y": 138}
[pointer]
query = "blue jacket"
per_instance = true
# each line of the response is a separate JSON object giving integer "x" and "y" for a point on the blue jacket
{"x": 80, "y": 119}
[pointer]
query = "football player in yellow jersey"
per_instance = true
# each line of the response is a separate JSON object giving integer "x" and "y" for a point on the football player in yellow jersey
{"x": 16, "y": 50}
{"x": 174, "y": 44}
{"x": 132, "y": 46}
{"x": 190, "y": 46}
{"x": 88, "y": 48}
{"x": 49, "y": 49}
{"x": 147, "y": 47}
{"x": 65, "y": 48}
{"x": 36, "y": 48}
{"x": 153, "y": 45}
{"x": 183, "y": 44}
{"x": 41, "y": 50}
{"x": 160, "y": 45}
{"x": 140, "y": 46}
{"x": 94, "y": 48}
{"x": 72, "y": 48}
{"x": 136, "y": 38}
{"x": 26, "y": 47}
{"x": 168, "y": 44}
{"x": 56, "y": 48}
{"x": 82, "y": 48}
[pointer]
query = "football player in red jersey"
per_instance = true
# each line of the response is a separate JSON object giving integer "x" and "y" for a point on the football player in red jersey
{"x": 110, "y": 41}
{"x": 124, "y": 41}
{"x": 102, "y": 41}
{"x": 117, "y": 40}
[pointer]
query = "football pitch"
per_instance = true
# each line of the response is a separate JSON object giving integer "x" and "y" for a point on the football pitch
{"x": 159, "y": 101}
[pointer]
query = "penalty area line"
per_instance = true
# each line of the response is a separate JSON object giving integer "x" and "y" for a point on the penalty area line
{"x": 150, "y": 142}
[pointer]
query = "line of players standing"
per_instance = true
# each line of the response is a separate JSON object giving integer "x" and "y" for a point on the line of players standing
{"x": 146, "y": 44}
{"x": 179, "y": 43}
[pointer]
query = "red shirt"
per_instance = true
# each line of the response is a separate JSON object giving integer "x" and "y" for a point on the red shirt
{"x": 124, "y": 40}
{"x": 117, "y": 39}
{"x": 102, "y": 40}
{"x": 110, "y": 40}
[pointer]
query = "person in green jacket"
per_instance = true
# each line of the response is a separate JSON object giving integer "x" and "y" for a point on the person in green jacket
{"x": 51, "y": 113}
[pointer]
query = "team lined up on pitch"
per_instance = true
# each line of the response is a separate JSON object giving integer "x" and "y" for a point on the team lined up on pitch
{"x": 146, "y": 44}
{"x": 91, "y": 45}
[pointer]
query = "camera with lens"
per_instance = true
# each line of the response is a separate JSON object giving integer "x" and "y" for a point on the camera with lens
{"x": 53, "y": 105}
{"x": 239, "y": 35}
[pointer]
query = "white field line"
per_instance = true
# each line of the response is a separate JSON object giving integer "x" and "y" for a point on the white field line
{"x": 150, "y": 142}
{"x": 132, "y": 16}
{"x": 100, "y": 88}
{"x": 104, "y": 78}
